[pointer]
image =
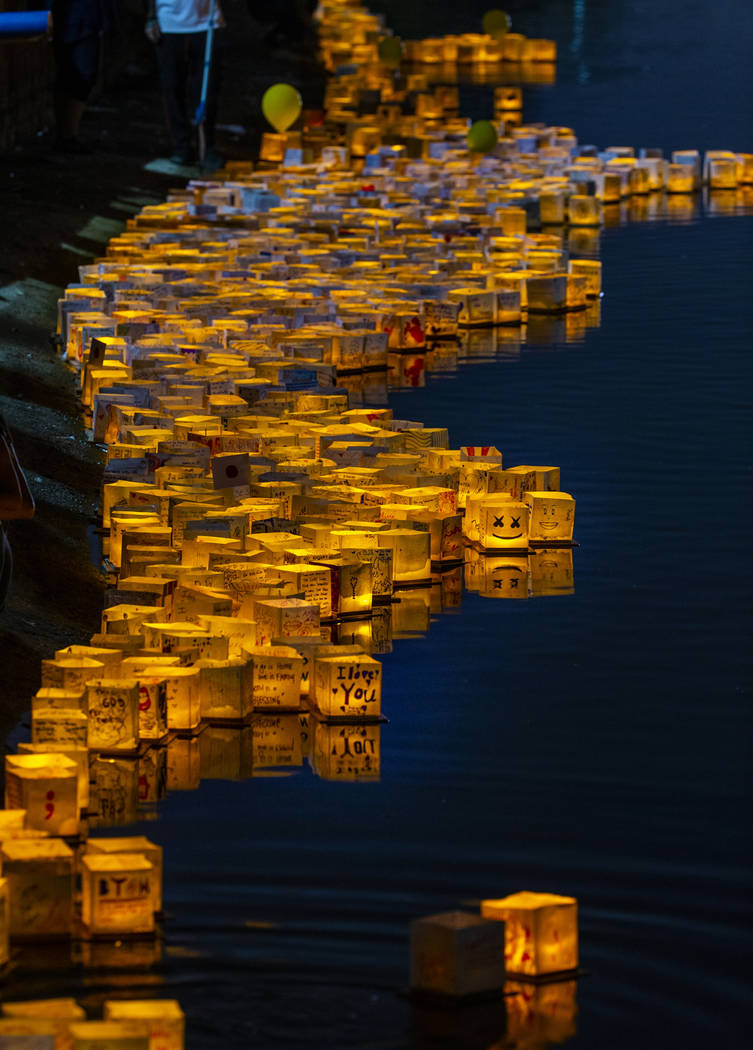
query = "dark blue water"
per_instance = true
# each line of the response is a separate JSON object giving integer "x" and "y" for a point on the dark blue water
{"x": 597, "y": 744}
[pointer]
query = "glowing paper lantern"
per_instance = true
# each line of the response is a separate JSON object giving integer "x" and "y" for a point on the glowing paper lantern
{"x": 79, "y": 755}
{"x": 40, "y": 881}
{"x": 134, "y": 844}
{"x": 347, "y": 686}
{"x": 503, "y": 524}
{"x": 110, "y": 1035}
{"x": 541, "y": 931}
{"x": 276, "y": 676}
{"x": 225, "y": 689}
{"x": 456, "y": 954}
{"x": 113, "y": 714}
{"x": 482, "y": 137}
{"x": 46, "y": 786}
{"x": 552, "y": 517}
{"x": 281, "y": 104}
{"x": 116, "y": 893}
{"x": 164, "y": 1018}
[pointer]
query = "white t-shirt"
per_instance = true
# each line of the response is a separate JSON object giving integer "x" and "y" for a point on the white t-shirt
{"x": 186, "y": 16}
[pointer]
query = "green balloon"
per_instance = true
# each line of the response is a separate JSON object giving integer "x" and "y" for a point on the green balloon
{"x": 390, "y": 50}
{"x": 482, "y": 137}
{"x": 496, "y": 23}
{"x": 281, "y": 105}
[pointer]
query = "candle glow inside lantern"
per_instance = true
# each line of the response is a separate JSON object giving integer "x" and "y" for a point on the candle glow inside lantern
{"x": 165, "y": 1019}
{"x": 117, "y": 893}
{"x": 40, "y": 881}
{"x": 456, "y": 954}
{"x": 347, "y": 686}
{"x": 277, "y": 673}
{"x": 225, "y": 689}
{"x": 46, "y": 786}
{"x": 552, "y": 516}
{"x": 503, "y": 523}
{"x": 134, "y": 844}
{"x": 541, "y": 932}
{"x": 114, "y": 714}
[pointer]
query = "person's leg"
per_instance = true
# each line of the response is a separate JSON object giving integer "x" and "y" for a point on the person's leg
{"x": 173, "y": 61}
{"x": 77, "y": 67}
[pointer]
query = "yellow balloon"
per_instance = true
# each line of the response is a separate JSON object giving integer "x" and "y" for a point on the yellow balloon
{"x": 496, "y": 23}
{"x": 390, "y": 50}
{"x": 481, "y": 137}
{"x": 281, "y": 104}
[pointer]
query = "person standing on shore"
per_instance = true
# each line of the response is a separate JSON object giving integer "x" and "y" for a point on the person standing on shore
{"x": 16, "y": 501}
{"x": 178, "y": 29}
{"x": 78, "y": 27}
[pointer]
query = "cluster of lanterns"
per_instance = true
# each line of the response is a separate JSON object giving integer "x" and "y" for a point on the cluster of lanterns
{"x": 265, "y": 535}
{"x": 350, "y": 34}
{"x": 126, "y": 1024}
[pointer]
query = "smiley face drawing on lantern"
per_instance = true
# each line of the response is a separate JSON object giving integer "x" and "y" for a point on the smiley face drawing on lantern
{"x": 552, "y": 516}
{"x": 503, "y": 525}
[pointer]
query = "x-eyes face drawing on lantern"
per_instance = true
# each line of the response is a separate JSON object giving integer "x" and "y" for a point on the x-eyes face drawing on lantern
{"x": 505, "y": 524}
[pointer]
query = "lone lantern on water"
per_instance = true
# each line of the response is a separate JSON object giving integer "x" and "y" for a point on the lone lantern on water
{"x": 456, "y": 954}
{"x": 541, "y": 932}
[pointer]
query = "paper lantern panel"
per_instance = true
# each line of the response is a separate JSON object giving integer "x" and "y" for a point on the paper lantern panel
{"x": 541, "y": 931}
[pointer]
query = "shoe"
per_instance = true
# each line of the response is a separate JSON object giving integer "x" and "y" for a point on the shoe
{"x": 183, "y": 158}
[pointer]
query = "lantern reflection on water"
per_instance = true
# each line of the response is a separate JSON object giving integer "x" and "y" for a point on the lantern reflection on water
{"x": 541, "y": 932}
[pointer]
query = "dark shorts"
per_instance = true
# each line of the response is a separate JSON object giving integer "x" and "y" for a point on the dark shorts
{"x": 77, "y": 64}
{"x": 6, "y": 567}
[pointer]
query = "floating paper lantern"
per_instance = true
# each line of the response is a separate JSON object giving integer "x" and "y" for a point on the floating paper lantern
{"x": 541, "y": 931}
{"x": 503, "y": 524}
{"x": 276, "y": 676}
{"x": 552, "y": 516}
{"x": 30, "y": 1033}
{"x": 78, "y": 755}
{"x": 110, "y": 1035}
{"x": 134, "y": 844}
{"x": 287, "y": 617}
{"x": 46, "y": 786}
{"x": 164, "y": 1018}
{"x": 456, "y": 954}
{"x": 225, "y": 689}
{"x": 58, "y": 726}
{"x": 114, "y": 714}
{"x": 348, "y": 686}
{"x": 117, "y": 893}
{"x": 40, "y": 882}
